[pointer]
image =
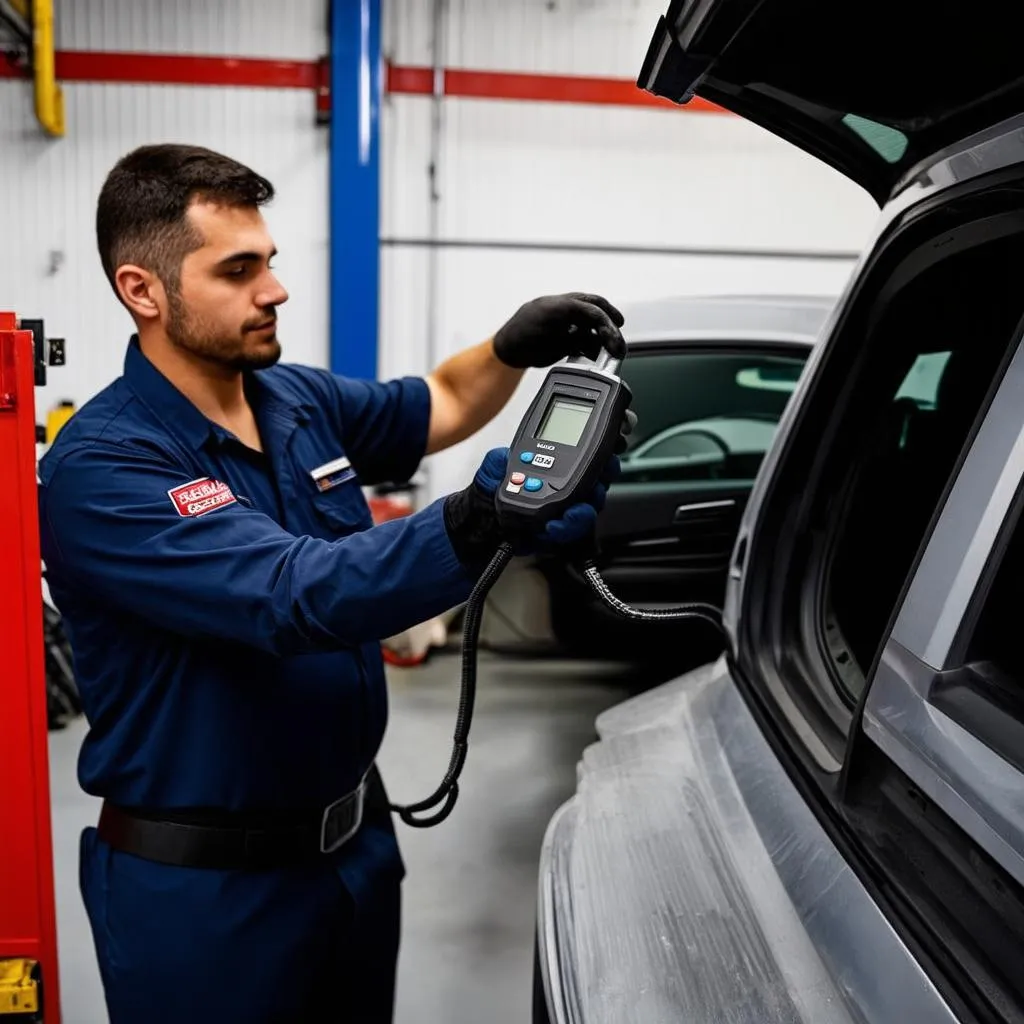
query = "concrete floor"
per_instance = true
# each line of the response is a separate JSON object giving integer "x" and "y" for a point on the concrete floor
{"x": 467, "y": 948}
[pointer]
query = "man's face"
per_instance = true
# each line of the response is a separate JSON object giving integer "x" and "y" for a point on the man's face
{"x": 225, "y": 310}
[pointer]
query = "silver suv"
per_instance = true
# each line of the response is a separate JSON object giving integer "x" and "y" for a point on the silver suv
{"x": 827, "y": 824}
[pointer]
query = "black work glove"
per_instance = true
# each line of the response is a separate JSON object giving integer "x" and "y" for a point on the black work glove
{"x": 471, "y": 519}
{"x": 624, "y": 431}
{"x": 548, "y": 329}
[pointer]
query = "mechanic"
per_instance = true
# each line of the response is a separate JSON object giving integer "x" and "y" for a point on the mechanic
{"x": 207, "y": 541}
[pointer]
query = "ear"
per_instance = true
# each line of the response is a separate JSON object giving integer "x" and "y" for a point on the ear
{"x": 140, "y": 290}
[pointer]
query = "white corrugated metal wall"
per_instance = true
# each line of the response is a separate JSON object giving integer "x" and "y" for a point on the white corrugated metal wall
{"x": 49, "y": 266}
{"x": 525, "y": 171}
{"x": 508, "y": 171}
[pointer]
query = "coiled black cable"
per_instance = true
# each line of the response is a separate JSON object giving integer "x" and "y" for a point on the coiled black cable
{"x": 448, "y": 790}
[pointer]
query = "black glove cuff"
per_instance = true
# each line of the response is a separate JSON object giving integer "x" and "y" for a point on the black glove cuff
{"x": 504, "y": 350}
{"x": 472, "y": 524}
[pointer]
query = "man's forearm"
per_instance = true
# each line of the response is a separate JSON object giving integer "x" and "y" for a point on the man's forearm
{"x": 467, "y": 391}
{"x": 470, "y": 389}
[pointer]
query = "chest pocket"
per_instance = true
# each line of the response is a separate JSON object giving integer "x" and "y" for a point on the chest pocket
{"x": 342, "y": 508}
{"x": 329, "y": 485}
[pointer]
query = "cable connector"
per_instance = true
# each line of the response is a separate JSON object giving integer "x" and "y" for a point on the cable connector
{"x": 693, "y": 610}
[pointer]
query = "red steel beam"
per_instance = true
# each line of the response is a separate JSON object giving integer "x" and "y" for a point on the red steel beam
{"x": 510, "y": 85}
{"x": 463, "y": 83}
{"x": 176, "y": 69}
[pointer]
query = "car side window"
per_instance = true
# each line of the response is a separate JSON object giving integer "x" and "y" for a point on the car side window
{"x": 990, "y": 699}
{"x": 933, "y": 361}
{"x": 706, "y": 415}
{"x": 889, "y": 497}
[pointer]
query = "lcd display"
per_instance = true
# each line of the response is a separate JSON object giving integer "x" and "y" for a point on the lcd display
{"x": 565, "y": 421}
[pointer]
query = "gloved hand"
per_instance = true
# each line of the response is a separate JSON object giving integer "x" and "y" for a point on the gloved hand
{"x": 472, "y": 520}
{"x": 627, "y": 428}
{"x": 550, "y": 328}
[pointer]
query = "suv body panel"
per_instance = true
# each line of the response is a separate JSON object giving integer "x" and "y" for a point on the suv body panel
{"x": 684, "y": 796}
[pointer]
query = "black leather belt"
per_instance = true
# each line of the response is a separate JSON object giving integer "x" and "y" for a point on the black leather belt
{"x": 244, "y": 841}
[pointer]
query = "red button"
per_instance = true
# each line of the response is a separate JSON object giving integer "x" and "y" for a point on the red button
{"x": 517, "y": 478}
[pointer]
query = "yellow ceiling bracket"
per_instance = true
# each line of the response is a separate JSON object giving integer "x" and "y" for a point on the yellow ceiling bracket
{"x": 49, "y": 97}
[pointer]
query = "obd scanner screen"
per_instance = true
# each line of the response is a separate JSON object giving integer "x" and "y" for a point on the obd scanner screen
{"x": 565, "y": 421}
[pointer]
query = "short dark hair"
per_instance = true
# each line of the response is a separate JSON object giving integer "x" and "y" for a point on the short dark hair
{"x": 141, "y": 213}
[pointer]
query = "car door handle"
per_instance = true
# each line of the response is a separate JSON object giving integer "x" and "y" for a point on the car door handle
{"x": 654, "y": 542}
{"x": 698, "y": 508}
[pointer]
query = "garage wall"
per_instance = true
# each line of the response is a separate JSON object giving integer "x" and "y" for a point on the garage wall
{"x": 48, "y": 264}
{"x": 519, "y": 176}
{"x": 529, "y": 197}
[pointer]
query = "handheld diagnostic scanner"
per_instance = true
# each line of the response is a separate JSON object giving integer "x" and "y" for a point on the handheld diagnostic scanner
{"x": 563, "y": 443}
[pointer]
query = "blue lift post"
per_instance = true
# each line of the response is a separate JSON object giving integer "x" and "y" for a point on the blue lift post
{"x": 355, "y": 186}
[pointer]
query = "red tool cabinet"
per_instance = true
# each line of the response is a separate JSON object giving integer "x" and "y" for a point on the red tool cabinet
{"x": 28, "y": 930}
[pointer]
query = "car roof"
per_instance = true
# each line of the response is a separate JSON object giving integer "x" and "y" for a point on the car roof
{"x": 785, "y": 319}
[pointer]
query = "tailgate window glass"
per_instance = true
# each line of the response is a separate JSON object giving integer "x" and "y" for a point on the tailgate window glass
{"x": 705, "y": 415}
{"x": 889, "y": 143}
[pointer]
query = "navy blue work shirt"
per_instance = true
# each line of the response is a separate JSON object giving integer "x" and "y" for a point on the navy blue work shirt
{"x": 225, "y": 606}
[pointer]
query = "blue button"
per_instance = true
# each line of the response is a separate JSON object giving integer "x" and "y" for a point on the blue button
{"x": 533, "y": 484}
{"x": 526, "y": 457}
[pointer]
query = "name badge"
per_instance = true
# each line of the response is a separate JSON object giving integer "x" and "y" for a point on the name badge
{"x": 331, "y": 474}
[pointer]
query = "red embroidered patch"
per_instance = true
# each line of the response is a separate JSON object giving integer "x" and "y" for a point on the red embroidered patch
{"x": 201, "y": 496}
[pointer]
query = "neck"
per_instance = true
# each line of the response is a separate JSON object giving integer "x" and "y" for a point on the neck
{"x": 218, "y": 392}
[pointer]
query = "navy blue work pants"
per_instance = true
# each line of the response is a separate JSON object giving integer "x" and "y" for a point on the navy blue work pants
{"x": 203, "y": 946}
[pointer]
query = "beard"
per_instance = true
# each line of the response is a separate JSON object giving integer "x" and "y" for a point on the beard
{"x": 204, "y": 339}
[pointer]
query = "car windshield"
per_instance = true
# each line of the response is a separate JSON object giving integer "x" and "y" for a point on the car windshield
{"x": 706, "y": 413}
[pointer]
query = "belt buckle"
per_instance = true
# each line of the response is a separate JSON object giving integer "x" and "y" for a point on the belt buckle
{"x": 341, "y": 820}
